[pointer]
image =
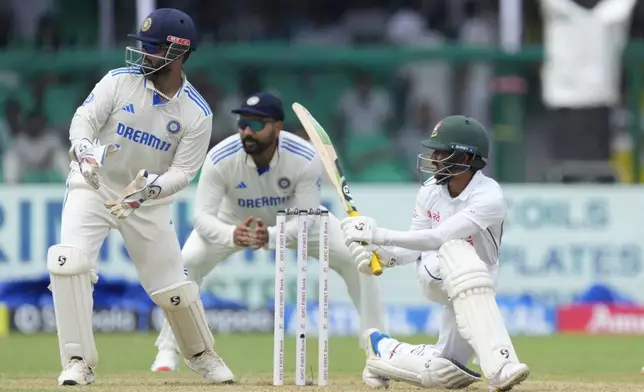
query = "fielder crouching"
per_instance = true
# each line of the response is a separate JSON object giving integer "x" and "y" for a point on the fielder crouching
{"x": 245, "y": 180}
{"x": 454, "y": 240}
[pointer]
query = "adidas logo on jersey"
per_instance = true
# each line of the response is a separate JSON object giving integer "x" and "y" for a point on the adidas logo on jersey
{"x": 129, "y": 108}
{"x": 241, "y": 185}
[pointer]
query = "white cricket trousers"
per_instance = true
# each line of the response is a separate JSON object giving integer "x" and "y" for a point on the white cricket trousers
{"x": 201, "y": 257}
{"x": 148, "y": 233}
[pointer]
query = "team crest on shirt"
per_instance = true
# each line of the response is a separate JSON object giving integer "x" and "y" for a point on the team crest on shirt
{"x": 284, "y": 182}
{"x": 435, "y": 131}
{"x": 146, "y": 24}
{"x": 173, "y": 127}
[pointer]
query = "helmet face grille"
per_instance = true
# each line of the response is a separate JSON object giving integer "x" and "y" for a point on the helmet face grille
{"x": 137, "y": 57}
{"x": 442, "y": 166}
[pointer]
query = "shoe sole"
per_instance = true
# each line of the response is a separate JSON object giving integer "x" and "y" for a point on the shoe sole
{"x": 514, "y": 381}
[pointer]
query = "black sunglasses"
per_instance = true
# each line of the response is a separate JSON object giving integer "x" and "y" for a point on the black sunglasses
{"x": 255, "y": 125}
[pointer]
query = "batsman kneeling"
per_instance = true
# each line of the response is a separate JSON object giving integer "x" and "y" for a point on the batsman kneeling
{"x": 454, "y": 240}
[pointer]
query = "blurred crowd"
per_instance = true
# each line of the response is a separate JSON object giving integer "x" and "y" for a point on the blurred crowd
{"x": 372, "y": 121}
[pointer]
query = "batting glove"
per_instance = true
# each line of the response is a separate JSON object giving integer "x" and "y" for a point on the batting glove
{"x": 362, "y": 257}
{"x": 362, "y": 229}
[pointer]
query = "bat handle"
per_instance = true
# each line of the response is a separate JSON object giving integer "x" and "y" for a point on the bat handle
{"x": 376, "y": 267}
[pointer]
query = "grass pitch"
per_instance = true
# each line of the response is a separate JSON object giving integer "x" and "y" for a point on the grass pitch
{"x": 559, "y": 363}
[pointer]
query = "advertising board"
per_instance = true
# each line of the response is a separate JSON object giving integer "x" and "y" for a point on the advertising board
{"x": 558, "y": 242}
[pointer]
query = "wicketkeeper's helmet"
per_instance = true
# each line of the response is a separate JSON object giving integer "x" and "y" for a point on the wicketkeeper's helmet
{"x": 165, "y": 34}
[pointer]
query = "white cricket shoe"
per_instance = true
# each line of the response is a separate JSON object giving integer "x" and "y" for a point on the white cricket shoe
{"x": 166, "y": 361}
{"x": 510, "y": 375}
{"x": 371, "y": 338}
{"x": 76, "y": 373}
{"x": 211, "y": 367}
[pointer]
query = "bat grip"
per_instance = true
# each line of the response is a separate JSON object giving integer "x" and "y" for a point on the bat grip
{"x": 376, "y": 267}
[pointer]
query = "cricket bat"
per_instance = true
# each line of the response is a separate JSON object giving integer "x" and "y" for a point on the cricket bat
{"x": 329, "y": 158}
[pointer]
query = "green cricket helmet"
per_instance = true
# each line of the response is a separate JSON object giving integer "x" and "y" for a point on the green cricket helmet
{"x": 457, "y": 144}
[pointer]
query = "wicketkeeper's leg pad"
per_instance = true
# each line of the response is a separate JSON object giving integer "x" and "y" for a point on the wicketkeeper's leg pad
{"x": 471, "y": 290}
{"x": 72, "y": 288}
{"x": 182, "y": 307}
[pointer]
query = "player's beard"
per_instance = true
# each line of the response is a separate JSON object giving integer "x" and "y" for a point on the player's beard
{"x": 449, "y": 167}
{"x": 160, "y": 71}
{"x": 443, "y": 174}
{"x": 438, "y": 171}
{"x": 253, "y": 146}
{"x": 441, "y": 179}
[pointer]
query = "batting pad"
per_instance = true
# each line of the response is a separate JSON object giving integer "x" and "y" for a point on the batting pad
{"x": 442, "y": 373}
{"x": 71, "y": 287}
{"x": 423, "y": 371}
{"x": 405, "y": 368}
{"x": 184, "y": 311}
{"x": 471, "y": 290}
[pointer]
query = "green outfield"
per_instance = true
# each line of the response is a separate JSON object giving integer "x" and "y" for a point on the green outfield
{"x": 559, "y": 363}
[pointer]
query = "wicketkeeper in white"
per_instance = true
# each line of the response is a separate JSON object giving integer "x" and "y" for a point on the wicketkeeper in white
{"x": 139, "y": 137}
{"x": 454, "y": 240}
{"x": 248, "y": 178}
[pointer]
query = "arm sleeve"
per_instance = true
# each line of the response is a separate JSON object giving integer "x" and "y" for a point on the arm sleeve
{"x": 306, "y": 195}
{"x": 211, "y": 190}
{"x": 92, "y": 114}
{"x": 618, "y": 12}
{"x": 477, "y": 217}
{"x": 419, "y": 221}
{"x": 188, "y": 158}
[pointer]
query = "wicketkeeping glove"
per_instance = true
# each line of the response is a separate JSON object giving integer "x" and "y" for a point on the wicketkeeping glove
{"x": 139, "y": 190}
{"x": 90, "y": 159}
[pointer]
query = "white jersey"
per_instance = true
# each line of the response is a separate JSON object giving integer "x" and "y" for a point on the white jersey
{"x": 231, "y": 188}
{"x": 476, "y": 215}
{"x": 165, "y": 138}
